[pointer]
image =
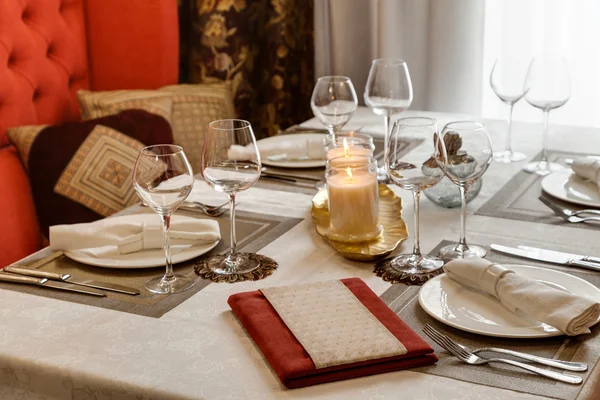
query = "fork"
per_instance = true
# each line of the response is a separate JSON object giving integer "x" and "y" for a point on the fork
{"x": 472, "y": 359}
{"x": 211, "y": 211}
{"x": 566, "y": 365}
{"x": 569, "y": 215}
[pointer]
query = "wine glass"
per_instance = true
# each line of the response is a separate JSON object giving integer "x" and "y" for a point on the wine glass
{"x": 416, "y": 172}
{"x": 163, "y": 178}
{"x": 388, "y": 92}
{"x": 548, "y": 79}
{"x": 464, "y": 168}
{"x": 508, "y": 82}
{"x": 334, "y": 102}
{"x": 231, "y": 164}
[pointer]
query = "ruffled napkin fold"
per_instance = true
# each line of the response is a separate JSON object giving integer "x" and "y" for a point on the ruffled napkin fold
{"x": 292, "y": 363}
{"x": 587, "y": 168}
{"x": 128, "y": 234}
{"x": 567, "y": 312}
{"x": 291, "y": 148}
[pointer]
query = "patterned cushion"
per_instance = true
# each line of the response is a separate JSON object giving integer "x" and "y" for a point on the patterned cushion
{"x": 101, "y": 104}
{"x": 88, "y": 163}
{"x": 100, "y": 173}
{"x": 193, "y": 108}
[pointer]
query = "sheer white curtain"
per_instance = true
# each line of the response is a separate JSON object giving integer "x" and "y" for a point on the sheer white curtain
{"x": 441, "y": 40}
{"x": 528, "y": 27}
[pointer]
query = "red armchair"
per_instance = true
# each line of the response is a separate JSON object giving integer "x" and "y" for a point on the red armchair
{"x": 49, "y": 49}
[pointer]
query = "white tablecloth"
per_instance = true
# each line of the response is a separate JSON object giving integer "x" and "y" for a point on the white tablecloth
{"x": 57, "y": 350}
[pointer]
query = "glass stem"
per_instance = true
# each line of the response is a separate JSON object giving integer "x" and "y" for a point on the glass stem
{"x": 462, "y": 243}
{"x": 386, "y": 131}
{"x": 545, "y": 137}
{"x": 166, "y": 225}
{"x": 509, "y": 128}
{"x": 232, "y": 237}
{"x": 332, "y": 132}
{"x": 416, "y": 200}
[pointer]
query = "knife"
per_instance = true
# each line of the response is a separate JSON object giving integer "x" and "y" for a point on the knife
{"x": 44, "y": 282}
{"x": 289, "y": 180}
{"x": 266, "y": 171}
{"x": 551, "y": 256}
{"x": 69, "y": 279}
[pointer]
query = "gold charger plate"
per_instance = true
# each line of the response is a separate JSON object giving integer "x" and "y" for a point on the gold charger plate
{"x": 393, "y": 233}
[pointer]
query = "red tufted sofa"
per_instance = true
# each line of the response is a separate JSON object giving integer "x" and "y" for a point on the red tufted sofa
{"x": 49, "y": 49}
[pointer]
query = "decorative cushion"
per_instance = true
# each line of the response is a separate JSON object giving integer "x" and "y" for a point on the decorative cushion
{"x": 101, "y": 104}
{"x": 87, "y": 162}
{"x": 100, "y": 173}
{"x": 194, "y": 107}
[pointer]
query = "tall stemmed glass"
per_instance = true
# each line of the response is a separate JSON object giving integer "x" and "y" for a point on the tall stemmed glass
{"x": 463, "y": 169}
{"x": 550, "y": 89}
{"x": 388, "y": 92}
{"x": 334, "y": 102}
{"x": 163, "y": 178}
{"x": 508, "y": 82}
{"x": 414, "y": 171}
{"x": 231, "y": 164}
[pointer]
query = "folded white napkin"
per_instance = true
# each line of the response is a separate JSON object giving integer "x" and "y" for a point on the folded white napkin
{"x": 569, "y": 313}
{"x": 128, "y": 234}
{"x": 587, "y": 168}
{"x": 292, "y": 148}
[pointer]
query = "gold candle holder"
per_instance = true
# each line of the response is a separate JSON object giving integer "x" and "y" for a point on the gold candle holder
{"x": 353, "y": 198}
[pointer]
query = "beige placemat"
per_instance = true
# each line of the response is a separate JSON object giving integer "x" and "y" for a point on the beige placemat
{"x": 403, "y": 300}
{"x": 307, "y": 186}
{"x": 332, "y": 325}
{"x": 254, "y": 231}
{"x": 518, "y": 199}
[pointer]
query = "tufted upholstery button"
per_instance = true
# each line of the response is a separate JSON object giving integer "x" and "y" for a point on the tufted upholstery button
{"x": 25, "y": 14}
{"x": 11, "y": 60}
{"x": 49, "y": 50}
{"x": 71, "y": 81}
{"x": 36, "y": 94}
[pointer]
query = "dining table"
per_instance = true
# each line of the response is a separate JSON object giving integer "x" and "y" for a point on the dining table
{"x": 53, "y": 349}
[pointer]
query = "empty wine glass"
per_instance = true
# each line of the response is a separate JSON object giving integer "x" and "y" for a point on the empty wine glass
{"x": 334, "y": 102}
{"x": 231, "y": 164}
{"x": 163, "y": 178}
{"x": 388, "y": 92}
{"x": 463, "y": 169}
{"x": 508, "y": 82}
{"x": 414, "y": 171}
{"x": 548, "y": 79}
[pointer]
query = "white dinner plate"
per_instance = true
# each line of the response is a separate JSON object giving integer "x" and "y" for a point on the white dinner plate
{"x": 473, "y": 311}
{"x": 567, "y": 186}
{"x": 274, "y": 140}
{"x": 145, "y": 258}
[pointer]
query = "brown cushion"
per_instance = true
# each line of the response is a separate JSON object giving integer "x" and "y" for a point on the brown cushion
{"x": 54, "y": 156}
{"x": 194, "y": 107}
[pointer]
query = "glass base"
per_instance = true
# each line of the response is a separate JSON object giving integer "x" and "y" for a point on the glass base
{"x": 178, "y": 283}
{"x": 542, "y": 167}
{"x": 238, "y": 263}
{"x": 456, "y": 251}
{"x": 409, "y": 269}
{"x": 508, "y": 156}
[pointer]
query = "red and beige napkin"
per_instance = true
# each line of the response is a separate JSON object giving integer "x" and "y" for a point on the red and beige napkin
{"x": 567, "y": 312}
{"x": 328, "y": 331}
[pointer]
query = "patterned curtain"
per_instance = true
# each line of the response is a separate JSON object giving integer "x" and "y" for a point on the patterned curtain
{"x": 264, "y": 48}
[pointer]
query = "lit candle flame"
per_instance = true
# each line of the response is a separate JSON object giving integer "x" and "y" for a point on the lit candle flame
{"x": 349, "y": 172}
{"x": 346, "y": 148}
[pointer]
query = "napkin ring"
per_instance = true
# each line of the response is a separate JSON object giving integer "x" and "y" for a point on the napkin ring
{"x": 490, "y": 277}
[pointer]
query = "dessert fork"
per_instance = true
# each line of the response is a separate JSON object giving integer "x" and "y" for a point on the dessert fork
{"x": 566, "y": 365}
{"x": 472, "y": 359}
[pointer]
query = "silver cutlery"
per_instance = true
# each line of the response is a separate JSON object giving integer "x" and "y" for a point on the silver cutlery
{"x": 551, "y": 256}
{"x": 472, "y": 359}
{"x": 70, "y": 279}
{"x": 566, "y": 365}
{"x": 44, "y": 282}
{"x": 211, "y": 211}
{"x": 295, "y": 182}
{"x": 569, "y": 215}
{"x": 291, "y": 175}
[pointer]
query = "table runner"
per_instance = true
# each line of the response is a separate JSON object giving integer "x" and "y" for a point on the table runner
{"x": 403, "y": 300}
{"x": 254, "y": 231}
{"x": 518, "y": 199}
{"x": 307, "y": 186}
